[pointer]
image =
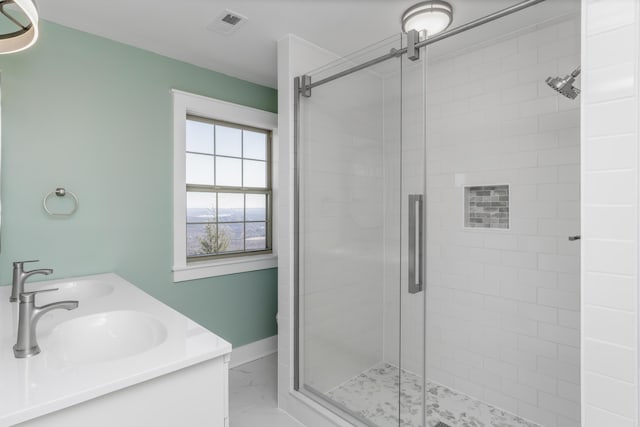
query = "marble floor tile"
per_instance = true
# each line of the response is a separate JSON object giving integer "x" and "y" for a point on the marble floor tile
{"x": 273, "y": 417}
{"x": 253, "y": 397}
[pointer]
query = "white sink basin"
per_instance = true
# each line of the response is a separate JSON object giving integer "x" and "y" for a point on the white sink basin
{"x": 105, "y": 336}
{"x": 77, "y": 290}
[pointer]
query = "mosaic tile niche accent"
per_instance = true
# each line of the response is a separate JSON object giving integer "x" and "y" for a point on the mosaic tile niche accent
{"x": 486, "y": 206}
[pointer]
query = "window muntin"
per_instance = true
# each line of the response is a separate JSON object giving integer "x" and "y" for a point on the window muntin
{"x": 228, "y": 184}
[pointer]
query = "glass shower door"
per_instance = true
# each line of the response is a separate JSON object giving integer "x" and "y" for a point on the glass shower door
{"x": 414, "y": 239}
{"x": 361, "y": 307}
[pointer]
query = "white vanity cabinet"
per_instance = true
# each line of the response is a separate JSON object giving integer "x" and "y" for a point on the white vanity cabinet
{"x": 196, "y": 396}
{"x": 122, "y": 358}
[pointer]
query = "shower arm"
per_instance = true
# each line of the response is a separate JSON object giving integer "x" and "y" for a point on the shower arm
{"x": 576, "y": 72}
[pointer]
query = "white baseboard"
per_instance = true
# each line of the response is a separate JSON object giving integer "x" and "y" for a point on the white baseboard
{"x": 252, "y": 351}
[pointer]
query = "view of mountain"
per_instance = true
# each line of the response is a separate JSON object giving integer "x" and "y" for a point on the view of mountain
{"x": 230, "y": 226}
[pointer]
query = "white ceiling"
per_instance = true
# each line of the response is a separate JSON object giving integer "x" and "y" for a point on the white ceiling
{"x": 177, "y": 28}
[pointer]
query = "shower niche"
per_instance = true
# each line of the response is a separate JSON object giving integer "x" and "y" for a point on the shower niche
{"x": 486, "y": 207}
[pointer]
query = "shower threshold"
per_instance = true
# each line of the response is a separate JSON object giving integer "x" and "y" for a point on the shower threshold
{"x": 373, "y": 395}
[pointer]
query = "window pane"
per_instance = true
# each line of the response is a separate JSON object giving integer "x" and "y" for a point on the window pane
{"x": 228, "y": 141}
{"x": 199, "y": 169}
{"x": 202, "y": 239}
{"x": 256, "y": 236}
{"x": 234, "y": 234}
{"x": 256, "y": 207}
{"x": 255, "y": 174}
{"x": 228, "y": 172}
{"x": 254, "y": 145}
{"x": 221, "y": 158}
{"x": 199, "y": 137}
{"x": 230, "y": 207}
{"x": 201, "y": 207}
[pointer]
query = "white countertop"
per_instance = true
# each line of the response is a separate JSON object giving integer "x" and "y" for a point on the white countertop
{"x": 44, "y": 383}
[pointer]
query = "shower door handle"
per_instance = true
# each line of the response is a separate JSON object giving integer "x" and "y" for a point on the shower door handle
{"x": 416, "y": 272}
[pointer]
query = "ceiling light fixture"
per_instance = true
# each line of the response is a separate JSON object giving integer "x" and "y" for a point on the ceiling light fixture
{"x": 24, "y": 15}
{"x": 430, "y": 16}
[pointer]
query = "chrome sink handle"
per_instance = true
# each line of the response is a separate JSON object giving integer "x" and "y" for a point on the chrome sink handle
{"x": 28, "y": 315}
{"x": 20, "y": 277}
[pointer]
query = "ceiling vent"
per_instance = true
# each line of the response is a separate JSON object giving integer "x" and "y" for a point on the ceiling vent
{"x": 227, "y": 22}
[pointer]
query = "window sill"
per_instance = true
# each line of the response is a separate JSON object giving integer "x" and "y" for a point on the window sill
{"x": 201, "y": 270}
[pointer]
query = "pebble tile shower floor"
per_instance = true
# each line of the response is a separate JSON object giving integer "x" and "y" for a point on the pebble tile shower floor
{"x": 374, "y": 395}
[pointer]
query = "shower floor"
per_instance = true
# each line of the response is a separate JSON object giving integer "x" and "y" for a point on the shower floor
{"x": 374, "y": 395}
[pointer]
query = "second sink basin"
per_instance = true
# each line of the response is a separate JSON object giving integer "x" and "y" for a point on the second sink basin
{"x": 77, "y": 290}
{"x": 106, "y": 336}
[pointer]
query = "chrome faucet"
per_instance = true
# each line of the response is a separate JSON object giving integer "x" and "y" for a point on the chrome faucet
{"x": 20, "y": 277}
{"x": 28, "y": 315}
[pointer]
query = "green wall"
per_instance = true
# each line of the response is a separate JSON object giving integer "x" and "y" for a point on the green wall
{"x": 95, "y": 116}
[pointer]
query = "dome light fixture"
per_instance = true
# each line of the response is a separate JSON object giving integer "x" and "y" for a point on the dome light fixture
{"x": 24, "y": 15}
{"x": 431, "y": 16}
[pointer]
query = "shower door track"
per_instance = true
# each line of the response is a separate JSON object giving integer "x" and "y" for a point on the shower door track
{"x": 305, "y": 85}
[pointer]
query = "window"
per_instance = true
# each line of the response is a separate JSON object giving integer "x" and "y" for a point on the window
{"x": 223, "y": 187}
{"x": 228, "y": 184}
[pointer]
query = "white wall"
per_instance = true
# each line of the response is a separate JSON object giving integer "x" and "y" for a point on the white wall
{"x": 503, "y": 319}
{"x": 610, "y": 137}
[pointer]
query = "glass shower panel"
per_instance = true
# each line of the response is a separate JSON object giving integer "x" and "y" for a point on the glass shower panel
{"x": 353, "y": 241}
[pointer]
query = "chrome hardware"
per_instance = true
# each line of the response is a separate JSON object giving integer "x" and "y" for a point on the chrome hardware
{"x": 430, "y": 40}
{"x": 413, "y": 51}
{"x": 61, "y": 192}
{"x": 28, "y": 316}
{"x": 574, "y": 238}
{"x": 415, "y": 244}
{"x": 20, "y": 277}
{"x": 564, "y": 85}
{"x": 305, "y": 87}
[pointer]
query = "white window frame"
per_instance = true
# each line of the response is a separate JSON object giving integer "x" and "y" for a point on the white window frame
{"x": 184, "y": 104}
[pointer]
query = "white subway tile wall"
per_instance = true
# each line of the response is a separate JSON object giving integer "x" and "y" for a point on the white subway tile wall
{"x": 610, "y": 103}
{"x": 503, "y": 318}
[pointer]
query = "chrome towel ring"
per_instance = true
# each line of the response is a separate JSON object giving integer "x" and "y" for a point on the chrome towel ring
{"x": 61, "y": 192}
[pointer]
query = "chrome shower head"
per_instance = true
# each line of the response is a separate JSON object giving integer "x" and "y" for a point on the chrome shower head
{"x": 564, "y": 85}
